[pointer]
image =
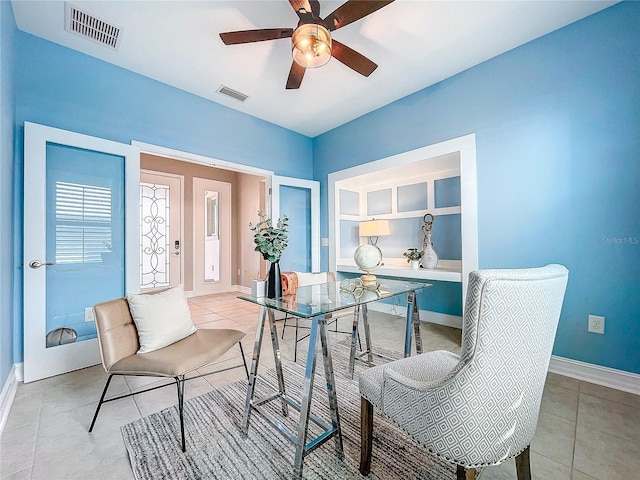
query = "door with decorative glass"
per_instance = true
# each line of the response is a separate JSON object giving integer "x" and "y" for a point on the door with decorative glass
{"x": 161, "y": 259}
{"x": 80, "y": 232}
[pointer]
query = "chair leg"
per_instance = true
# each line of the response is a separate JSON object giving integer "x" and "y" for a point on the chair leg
{"x": 104, "y": 392}
{"x": 523, "y": 466}
{"x": 465, "y": 473}
{"x": 180, "y": 385}
{"x": 244, "y": 361}
{"x": 284, "y": 325}
{"x": 366, "y": 435}
{"x": 295, "y": 344}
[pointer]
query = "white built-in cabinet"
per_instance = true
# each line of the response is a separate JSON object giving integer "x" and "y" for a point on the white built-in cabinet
{"x": 439, "y": 179}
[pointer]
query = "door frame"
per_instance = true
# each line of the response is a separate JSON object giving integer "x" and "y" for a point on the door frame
{"x": 269, "y": 182}
{"x": 45, "y": 362}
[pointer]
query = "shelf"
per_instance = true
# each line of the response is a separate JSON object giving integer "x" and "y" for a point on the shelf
{"x": 443, "y": 274}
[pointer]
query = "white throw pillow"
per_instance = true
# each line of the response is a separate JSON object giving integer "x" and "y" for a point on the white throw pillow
{"x": 161, "y": 318}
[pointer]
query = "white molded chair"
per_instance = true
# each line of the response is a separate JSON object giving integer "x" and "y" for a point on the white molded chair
{"x": 479, "y": 408}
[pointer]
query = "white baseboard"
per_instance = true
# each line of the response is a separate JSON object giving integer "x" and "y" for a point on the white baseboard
{"x": 9, "y": 393}
{"x": 425, "y": 315}
{"x": 234, "y": 288}
{"x": 588, "y": 372}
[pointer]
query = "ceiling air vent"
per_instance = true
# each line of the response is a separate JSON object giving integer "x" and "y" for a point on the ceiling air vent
{"x": 232, "y": 93}
{"x": 91, "y": 27}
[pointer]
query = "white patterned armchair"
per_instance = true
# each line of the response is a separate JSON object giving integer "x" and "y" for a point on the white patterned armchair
{"x": 479, "y": 408}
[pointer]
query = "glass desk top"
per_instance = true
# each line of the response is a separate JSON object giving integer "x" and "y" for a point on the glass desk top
{"x": 313, "y": 300}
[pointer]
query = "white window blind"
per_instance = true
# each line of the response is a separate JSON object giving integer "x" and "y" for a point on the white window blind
{"x": 83, "y": 223}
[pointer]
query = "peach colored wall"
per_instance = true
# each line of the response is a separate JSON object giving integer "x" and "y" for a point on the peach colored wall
{"x": 250, "y": 261}
{"x": 245, "y": 202}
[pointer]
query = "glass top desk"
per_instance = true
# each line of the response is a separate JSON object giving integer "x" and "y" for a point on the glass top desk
{"x": 315, "y": 302}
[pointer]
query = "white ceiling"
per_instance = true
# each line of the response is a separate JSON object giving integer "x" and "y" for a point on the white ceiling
{"x": 415, "y": 44}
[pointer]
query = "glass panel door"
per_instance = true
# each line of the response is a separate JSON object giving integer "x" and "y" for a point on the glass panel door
{"x": 80, "y": 239}
{"x": 300, "y": 200}
{"x": 85, "y": 239}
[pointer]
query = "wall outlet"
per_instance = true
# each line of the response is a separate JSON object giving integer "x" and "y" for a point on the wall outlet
{"x": 88, "y": 314}
{"x": 596, "y": 324}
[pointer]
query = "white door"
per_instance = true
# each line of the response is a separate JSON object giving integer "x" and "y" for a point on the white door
{"x": 161, "y": 236}
{"x": 300, "y": 200}
{"x": 80, "y": 232}
{"x": 211, "y": 236}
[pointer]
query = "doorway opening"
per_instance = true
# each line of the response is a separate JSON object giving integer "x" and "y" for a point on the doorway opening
{"x": 215, "y": 247}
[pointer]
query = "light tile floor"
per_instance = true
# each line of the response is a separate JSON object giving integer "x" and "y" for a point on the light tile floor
{"x": 585, "y": 431}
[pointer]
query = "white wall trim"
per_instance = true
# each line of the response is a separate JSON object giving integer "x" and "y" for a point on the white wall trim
{"x": 465, "y": 146}
{"x": 196, "y": 158}
{"x": 588, "y": 372}
{"x": 425, "y": 315}
{"x": 9, "y": 393}
{"x": 241, "y": 289}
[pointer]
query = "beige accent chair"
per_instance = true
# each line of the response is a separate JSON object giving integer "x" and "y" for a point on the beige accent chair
{"x": 316, "y": 278}
{"x": 479, "y": 408}
{"x": 118, "y": 339}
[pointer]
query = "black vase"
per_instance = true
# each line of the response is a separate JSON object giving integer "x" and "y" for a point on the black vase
{"x": 274, "y": 281}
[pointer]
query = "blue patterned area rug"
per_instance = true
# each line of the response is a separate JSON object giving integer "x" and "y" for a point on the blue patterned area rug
{"x": 216, "y": 449}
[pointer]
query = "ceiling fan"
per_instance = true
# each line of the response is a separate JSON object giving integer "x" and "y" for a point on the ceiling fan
{"x": 312, "y": 45}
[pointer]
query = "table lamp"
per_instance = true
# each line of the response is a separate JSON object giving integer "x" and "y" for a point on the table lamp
{"x": 369, "y": 257}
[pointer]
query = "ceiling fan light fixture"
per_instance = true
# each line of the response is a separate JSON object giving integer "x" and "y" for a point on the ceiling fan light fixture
{"x": 311, "y": 45}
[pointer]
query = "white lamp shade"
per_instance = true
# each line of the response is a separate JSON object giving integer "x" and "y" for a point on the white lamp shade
{"x": 374, "y": 228}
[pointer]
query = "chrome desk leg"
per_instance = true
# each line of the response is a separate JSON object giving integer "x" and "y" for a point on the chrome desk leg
{"x": 307, "y": 391}
{"x": 416, "y": 323}
{"x": 367, "y": 333}
{"x": 354, "y": 334}
{"x": 278, "y": 360}
{"x": 413, "y": 322}
{"x": 254, "y": 370}
{"x": 331, "y": 390}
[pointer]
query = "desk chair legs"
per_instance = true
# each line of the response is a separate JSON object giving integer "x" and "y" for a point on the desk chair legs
{"x": 465, "y": 473}
{"x": 366, "y": 435}
{"x": 180, "y": 386}
{"x": 244, "y": 360}
{"x": 104, "y": 392}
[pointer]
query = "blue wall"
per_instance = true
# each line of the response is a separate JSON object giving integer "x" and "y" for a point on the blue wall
{"x": 7, "y": 113}
{"x": 557, "y": 124}
{"x": 62, "y": 88}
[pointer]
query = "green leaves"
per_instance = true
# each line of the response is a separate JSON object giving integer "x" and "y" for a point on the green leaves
{"x": 270, "y": 241}
{"x": 413, "y": 254}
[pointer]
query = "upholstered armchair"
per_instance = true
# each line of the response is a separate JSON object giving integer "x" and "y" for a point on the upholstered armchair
{"x": 479, "y": 408}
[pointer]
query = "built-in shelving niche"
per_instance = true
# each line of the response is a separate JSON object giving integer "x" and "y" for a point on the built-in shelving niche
{"x": 438, "y": 179}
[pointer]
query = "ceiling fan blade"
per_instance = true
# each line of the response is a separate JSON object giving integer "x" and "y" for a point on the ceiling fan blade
{"x": 295, "y": 76}
{"x": 298, "y": 5}
{"x": 352, "y": 11}
{"x": 352, "y": 59}
{"x": 249, "y": 36}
